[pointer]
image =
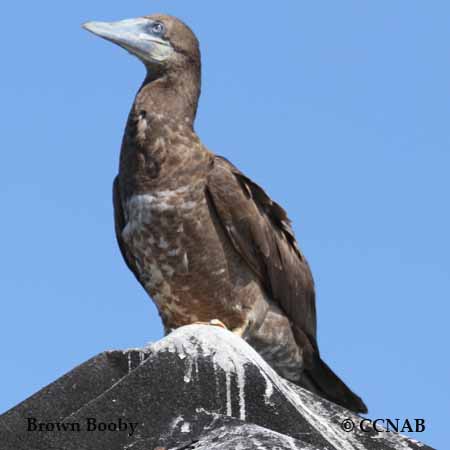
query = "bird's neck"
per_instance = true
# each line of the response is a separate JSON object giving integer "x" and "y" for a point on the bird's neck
{"x": 160, "y": 147}
{"x": 174, "y": 95}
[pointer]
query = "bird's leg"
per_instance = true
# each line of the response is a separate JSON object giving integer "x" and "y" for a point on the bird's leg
{"x": 240, "y": 331}
{"x": 213, "y": 322}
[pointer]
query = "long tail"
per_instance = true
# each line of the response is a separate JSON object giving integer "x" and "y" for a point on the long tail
{"x": 324, "y": 382}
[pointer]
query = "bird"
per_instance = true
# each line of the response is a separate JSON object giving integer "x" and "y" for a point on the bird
{"x": 206, "y": 242}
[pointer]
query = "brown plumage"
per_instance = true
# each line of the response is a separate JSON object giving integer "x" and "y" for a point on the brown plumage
{"x": 204, "y": 240}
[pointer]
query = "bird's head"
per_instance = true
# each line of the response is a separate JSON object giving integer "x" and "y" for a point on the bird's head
{"x": 160, "y": 41}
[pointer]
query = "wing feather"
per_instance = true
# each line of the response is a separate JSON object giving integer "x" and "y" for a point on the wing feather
{"x": 261, "y": 232}
{"x": 119, "y": 224}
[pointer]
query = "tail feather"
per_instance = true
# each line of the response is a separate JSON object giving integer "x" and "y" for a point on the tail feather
{"x": 319, "y": 378}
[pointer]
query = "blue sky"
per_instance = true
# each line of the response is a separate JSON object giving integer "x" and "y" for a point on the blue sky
{"x": 339, "y": 109}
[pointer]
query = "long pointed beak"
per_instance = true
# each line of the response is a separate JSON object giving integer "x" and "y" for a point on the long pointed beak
{"x": 134, "y": 36}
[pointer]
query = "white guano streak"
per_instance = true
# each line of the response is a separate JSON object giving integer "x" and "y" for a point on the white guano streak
{"x": 227, "y": 362}
{"x": 232, "y": 358}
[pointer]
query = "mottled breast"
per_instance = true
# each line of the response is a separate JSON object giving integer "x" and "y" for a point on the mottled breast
{"x": 186, "y": 264}
{"x": 155, "y": 226}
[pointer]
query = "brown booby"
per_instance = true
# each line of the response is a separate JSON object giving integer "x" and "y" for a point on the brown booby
{"x": 206, "y": 242}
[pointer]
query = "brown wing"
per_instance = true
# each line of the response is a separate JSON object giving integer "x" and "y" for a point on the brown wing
{"x": 119, "y": 224}
{"x": 261, "y": 232}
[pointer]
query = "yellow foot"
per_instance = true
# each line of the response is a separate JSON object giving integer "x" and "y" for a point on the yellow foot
{"x": 213, "y": 322}
{"x": 239, "y": 331}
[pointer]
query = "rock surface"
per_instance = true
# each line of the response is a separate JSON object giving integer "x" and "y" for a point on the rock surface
{"x": 201, "y": 387}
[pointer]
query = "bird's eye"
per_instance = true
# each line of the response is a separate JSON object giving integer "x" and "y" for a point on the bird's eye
{"x": 158, "y": 29}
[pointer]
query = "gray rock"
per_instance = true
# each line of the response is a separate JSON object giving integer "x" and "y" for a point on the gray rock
{"x": 201, "y": 387}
